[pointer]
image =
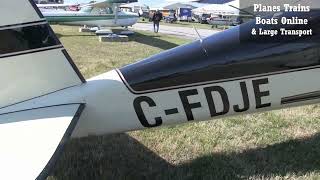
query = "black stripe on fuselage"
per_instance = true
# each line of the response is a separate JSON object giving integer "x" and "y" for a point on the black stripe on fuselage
{"x": 183, "y": 67}
{"x": 16, "y": 39}
{"x": 10, "y": 26}
{"x": 210, "y": 82}
{"x": 301, "y": 97}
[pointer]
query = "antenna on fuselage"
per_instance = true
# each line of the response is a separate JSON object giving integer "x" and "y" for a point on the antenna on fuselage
{"x": 197, "y": 32}
{"x": 200, "y": 39}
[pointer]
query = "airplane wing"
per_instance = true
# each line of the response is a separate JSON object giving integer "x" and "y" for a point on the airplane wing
{"x": 54, "y": 5}
{"x": 109, "y": 3}
{"x": 31, "y": 140}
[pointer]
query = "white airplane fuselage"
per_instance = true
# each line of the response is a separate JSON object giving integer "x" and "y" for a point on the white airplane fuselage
{"x": 123, "y": 19}
{"x": 111, "y": 107}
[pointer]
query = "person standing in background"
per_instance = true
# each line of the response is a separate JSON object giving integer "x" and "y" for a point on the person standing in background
{"x": 157, "y": 16}
{"x": 140, "y": 12}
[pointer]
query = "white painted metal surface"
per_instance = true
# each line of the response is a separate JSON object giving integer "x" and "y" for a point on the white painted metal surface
{"x": 30, "y": 138}
{"x": 109, "y": 103}
{"x": 110, "y": 109}
{"x": 36, "y": 74}
{"x": 26, "y": 13}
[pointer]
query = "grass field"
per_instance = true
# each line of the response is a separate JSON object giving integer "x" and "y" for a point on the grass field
{"x": 283, "y": 144}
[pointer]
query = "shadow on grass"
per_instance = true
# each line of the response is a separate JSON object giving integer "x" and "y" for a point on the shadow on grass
{"x": 297, "y": 157}
{"x": 113, "y": 157}
{"x": 73, "y": 35}
{"x": 122, "y": 157}
{"x": 152, "y": 40}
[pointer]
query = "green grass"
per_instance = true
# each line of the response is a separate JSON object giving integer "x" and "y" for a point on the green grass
{"x": 283, "y": 144}
{"x": 94, "y": 58}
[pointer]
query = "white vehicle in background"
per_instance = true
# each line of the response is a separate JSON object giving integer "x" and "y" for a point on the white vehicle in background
{"x": 216, "y": 20}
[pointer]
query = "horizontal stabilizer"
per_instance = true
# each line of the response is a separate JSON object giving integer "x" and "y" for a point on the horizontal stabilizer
{"x": 31, "y": 140}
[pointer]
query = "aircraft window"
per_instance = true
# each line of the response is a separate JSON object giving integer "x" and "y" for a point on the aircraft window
{"x": 86, "y": 9}
{"x": 108, "y": 10}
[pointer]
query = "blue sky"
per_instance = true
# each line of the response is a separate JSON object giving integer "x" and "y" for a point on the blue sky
{"x": 147, "y": 2}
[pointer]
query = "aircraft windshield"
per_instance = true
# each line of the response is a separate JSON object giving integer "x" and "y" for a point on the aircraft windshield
{"x": 102, "y": 11}
{"x": 86, "y": 9}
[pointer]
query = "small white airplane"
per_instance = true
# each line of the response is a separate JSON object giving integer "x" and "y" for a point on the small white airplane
{"x": 55, "y": 7}
{"x": 44, "y": 99}
{"x": 99, "y": 14}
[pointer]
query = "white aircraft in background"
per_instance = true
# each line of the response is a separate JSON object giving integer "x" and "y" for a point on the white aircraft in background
{"x": 56, "y": 7}
{"x": 100, "y": 14}
{"x": 44, "y": 99}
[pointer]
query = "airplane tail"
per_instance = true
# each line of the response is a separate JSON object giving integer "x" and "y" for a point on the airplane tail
{"x": 33, "y": 63}
{"x": 31, "y": 56}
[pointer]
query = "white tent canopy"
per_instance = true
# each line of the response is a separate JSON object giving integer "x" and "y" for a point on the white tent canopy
{"x": 219, "y": 9}
{"x": 135, "y": 4}
{"x": 135, "y": 7}
{"x": 163, "y": 6}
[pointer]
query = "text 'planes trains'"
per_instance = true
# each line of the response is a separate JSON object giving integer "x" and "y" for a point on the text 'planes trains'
{"x": 44, "y": 99}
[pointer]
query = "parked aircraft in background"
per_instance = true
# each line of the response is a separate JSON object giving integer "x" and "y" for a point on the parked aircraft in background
{"x": 55, "y": 7}
{"x": 44, "y": 99}
{"x": 99, "y": 14}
